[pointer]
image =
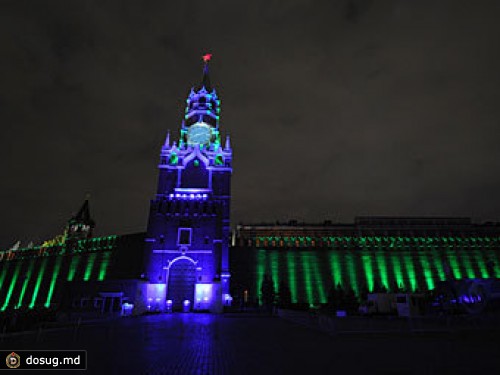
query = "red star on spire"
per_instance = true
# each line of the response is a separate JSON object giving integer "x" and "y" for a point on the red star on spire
{"x": 206, "y": 57}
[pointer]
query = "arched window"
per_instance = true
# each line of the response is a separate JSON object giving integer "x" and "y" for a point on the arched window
{"x": 174, "y": 159}
{"x": 219, "y": 160}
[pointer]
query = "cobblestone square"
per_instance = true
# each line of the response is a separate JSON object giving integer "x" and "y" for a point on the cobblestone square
{"x": 256, "y": 344}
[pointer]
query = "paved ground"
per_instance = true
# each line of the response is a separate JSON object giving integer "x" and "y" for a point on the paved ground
{"x": 255, "y": 344}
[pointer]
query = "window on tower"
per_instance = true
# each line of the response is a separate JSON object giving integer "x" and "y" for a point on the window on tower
{"x": 219, "y": 160}
{"x": 184, "y": 236}
{"x": 174, "y": 159}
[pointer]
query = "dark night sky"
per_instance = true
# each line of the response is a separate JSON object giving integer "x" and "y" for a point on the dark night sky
{"x": 335, "y": 108}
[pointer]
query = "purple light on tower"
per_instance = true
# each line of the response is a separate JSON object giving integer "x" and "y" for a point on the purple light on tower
{"x": 194, "y": 167}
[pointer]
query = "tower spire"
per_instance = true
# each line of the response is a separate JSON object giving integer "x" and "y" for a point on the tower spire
{"x": 80, "y": 226}
{"x": 205, "y": 82}
{"x": 83, "y": 215}
{"x": 167, "y": 140}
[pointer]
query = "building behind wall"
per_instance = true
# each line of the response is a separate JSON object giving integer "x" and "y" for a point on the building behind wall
{"x": 373, "y": 253}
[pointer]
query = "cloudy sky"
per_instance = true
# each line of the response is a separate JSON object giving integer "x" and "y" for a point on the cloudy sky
{"x": 336, "y": 108}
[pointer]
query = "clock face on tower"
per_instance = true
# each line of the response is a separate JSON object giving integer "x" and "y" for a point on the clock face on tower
{"x": 199, "y": 133}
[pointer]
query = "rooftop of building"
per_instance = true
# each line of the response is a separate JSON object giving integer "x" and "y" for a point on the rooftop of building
{"x": 374, "y": 226}
{"x": 375, "y": 221}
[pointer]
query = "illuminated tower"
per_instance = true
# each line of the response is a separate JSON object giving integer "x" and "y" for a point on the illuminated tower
{"x": 188, "y": 231}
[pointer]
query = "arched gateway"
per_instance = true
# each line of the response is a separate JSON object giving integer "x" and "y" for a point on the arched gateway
{"x": 181, "y": 283}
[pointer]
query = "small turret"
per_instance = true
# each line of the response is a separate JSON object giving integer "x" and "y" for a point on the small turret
{"x": 167, "y": 140}
{"x": 80, "y": 226}
{"x": 205, "y": 81}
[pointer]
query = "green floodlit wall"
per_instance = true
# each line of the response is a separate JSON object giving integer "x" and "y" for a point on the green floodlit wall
{"x": 363, "y": 263}
{"x": 35, "y": 276}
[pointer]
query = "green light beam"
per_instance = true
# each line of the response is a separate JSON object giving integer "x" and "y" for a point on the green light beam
{"x": 410, "y": 269}
{"x": 25, "y": 283}
{"x": 5, "y": 269}
{"x": 495, "y": 258}
{"x": 382, "y": 266}
{"x": 468, "y": 265}
{"x": 261, "y": 268}
{"x": 11, "y": 286}
{"x": 104, "y": 266}
{"x": 318, "y": 280}
{"x": 307, "y": 277}
{"x": 481, "y": 264}
{"x": 396, "y": 266}
{"x": 455, "y": 267}
{"x": 351, "y": 270}
{"x": 368, "y": 271}
{"x": 273, "y": 258}
{"x": 73, "y": 266}
{"x": 429, "y": 280}
{"x": 38, "y": 282}
{"x": 335, "y": 268}
{"x": 90, "y": 267}
{"x": 438, "y": 263}
{"x": 292, "y": 275}
{"x": 53, "y": 281}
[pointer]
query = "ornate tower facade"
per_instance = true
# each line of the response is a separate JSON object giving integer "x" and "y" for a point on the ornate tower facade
{"x": 188, "y": 232}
